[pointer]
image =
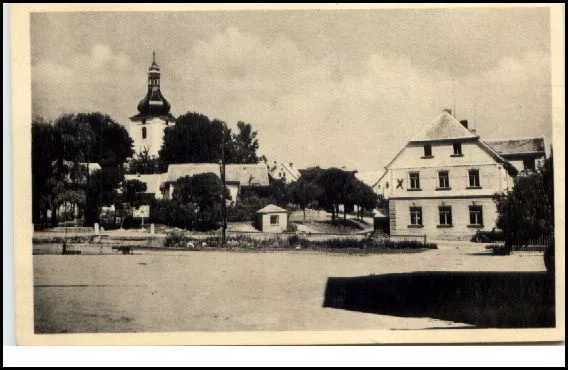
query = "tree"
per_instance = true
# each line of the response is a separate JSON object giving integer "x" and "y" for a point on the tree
{"x": 527, "y": 211}
{"x": 133, "y": 194}
{"x": 102, "y": 191}
{"x": 334, "y": 183}
{"x": 144, "y": 163}
{"x": 193, "y": 139}
{"x": 46, "y": 145}
{"x": 243, "y": 146}
{"x": 111, "y": 143}
{"x": 196, "y": 139}
{"x": 205, "y": 191}
{"x": 303, "y": 193}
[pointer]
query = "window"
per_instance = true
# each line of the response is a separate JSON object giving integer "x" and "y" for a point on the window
{"x": 445, "y": 215}
{"x": 458, "y": 149}
{"x": 274, "y": 220}
{"x": 416, "y": 216}
{"x": 528, "y": 164}
{"x": 143, "y": 132}
{"x": 473, "y": 178}
{"x": 414, "y": 180}
{"x": 444, "y": 180}
{"x": 475, "y": 216}
{"x": 427, "y": 150}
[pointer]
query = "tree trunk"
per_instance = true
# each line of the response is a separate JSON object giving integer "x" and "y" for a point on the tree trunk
{"x": 304, "y": 209}
{"x": 53, "y": 216}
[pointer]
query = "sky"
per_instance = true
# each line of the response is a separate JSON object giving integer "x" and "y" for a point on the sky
{"x": 322, "y": 87}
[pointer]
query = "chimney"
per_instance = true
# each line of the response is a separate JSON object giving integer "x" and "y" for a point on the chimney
{"x": 291, "y": 164}
{"x": 464, "y": 123}
{"x": 448, "y": 110}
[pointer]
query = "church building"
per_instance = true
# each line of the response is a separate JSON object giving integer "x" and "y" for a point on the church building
{"x": 147, "y": 127}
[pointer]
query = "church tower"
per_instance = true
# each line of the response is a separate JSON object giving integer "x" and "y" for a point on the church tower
{"x": 147, "y": 127}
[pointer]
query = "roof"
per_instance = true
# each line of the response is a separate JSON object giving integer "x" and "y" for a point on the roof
{"x": 152, "y": 181}
{"x": 370, "y": 178}
{"x": 517, "y": 146}
{"x": 289, "y": 170}
{"x": 443, "y": 127}
{"x": 244, "y": 174}
{"x": 271, "y": 208}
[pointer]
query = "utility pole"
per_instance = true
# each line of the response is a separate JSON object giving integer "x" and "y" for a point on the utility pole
{"x": 223, "y": 201}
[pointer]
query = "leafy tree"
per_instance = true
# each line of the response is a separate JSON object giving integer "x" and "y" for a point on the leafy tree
{"x": 46, "y": 145}
{"x": 303, "y": 193}
{"x": 144, "y": 163}
{"x": 102, "y": 191}
{"x": 133, "y": 194}
{"x": 111, "y": 143}
{"x": 196, "y": 139}
{"x": 334, "y": 183}
{"x": 204, "y": 190}
{"x": 243, "y": 146}
{"x": 527, "y": 211}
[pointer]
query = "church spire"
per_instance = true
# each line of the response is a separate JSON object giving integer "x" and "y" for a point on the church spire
{"x": 154, "y": 74}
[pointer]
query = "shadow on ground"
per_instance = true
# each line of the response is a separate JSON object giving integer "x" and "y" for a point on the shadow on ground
{"x": 483, "y": 299}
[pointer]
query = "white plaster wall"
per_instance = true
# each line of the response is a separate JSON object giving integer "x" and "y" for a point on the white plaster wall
{"x": 154, "y": 135}
{"x": 430, "y": 217}
{"x": 282, "y": 223}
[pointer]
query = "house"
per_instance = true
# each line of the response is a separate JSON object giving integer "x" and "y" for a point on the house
{"x": 271, "y": 219}
{"x": 525, "y": 154}
{"x": 153, "y": 182}
{"x": 441, "y": 184}
{"x": 284, "y": 171}
{"x": 237, "y": 176}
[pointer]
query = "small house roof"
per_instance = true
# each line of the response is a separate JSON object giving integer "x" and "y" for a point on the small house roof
{"x": 271, "y": 208}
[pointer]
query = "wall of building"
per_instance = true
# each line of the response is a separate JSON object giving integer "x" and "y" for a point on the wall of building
{"x": 460, "y": 229}
{"x": 263, "y": 222}
{"x": 154, "y": 135}
{"x": 492, "y": 176}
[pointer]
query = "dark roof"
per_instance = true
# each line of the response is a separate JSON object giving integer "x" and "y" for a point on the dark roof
{"x": 517, "y": 146}
{"x": 154, "y": 104}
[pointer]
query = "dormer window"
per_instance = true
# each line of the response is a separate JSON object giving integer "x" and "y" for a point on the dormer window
{"x": 427, "y": 151}
{"x": 457, "y": 150}
{"x": 143, "y": 132}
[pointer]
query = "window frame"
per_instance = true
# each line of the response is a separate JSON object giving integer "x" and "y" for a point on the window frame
{"x": 457, "y": 149}
{"x": 475, "y": 174}
{"x": 446, "y": 177}
{"x": 416, "y": 219}
{"x": 414, "y": 185}
{"x": 274, "y": 217}
{"x": 476, "y": 211}
{"x": 427, "y": 151}
{"x": 447, "y": 220}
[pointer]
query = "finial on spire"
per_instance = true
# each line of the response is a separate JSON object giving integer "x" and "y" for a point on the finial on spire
{"x": 154, "y": 57}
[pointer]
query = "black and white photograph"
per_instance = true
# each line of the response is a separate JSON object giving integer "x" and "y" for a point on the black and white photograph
{"x": 310, "y": 171}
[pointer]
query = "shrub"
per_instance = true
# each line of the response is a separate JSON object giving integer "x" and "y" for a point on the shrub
{"x": 176, "y": 239}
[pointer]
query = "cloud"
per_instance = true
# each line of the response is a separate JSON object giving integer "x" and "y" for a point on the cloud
{"x": 308, "y": 108}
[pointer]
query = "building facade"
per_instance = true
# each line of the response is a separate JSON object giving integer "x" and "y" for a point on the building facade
{"x": 146, "y": 128}
{"x": 442, "y": 183}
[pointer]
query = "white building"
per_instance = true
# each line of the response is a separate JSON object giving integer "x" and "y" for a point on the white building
{"x": 147, "y": 127}
{"x": 284, "y": 171}
{"x": 441, "y": 184}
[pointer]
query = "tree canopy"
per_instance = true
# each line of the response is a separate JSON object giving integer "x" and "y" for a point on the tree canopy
{"x": 527, "y": 211}
{"x": 196, "y": 139}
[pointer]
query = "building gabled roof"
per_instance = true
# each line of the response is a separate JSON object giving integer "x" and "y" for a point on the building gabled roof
{"x": 370, "y": 178}
{"x": 443, "y": 127}
{"x": 244, "y": 174}
{"x": 517, "y": 146}
{"x": 271, "y": 208}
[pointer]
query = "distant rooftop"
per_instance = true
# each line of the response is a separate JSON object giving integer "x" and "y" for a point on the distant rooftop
{"x": 244, "y": 174}
{"x": 271, "y": 208}
{"x": 517, "y": 146}
{"x": 444, "y": 127}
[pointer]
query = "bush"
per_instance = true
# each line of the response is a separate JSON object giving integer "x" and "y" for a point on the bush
{"x": 176, "y": 239}
{"x": 172, "y": 213}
